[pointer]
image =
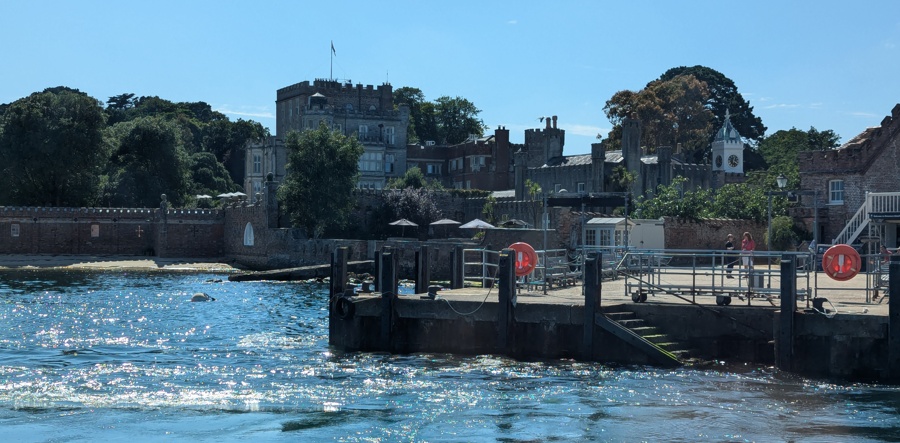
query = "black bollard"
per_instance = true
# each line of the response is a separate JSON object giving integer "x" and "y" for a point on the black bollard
{"x": 388, "y": 279}
{"x": 894, "y": 318}
{"x": 784, "y": 358}
{"x": 506, "y": 292}
{"x": 592, "y": 287}
{"x": 457, "y": 268}
{"x": 423, "y": 274}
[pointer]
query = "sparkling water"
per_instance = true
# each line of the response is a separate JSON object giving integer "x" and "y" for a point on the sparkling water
{"x": 114, "y": 356}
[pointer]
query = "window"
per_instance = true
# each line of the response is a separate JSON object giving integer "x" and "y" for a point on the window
{"x": 590, "y": 237}
{"x": 309, "y": 124}
{"x": 580, "y": 187}
{"x": 371, "y": 161}
{"x": 457, "y": 185}
{"x": 468, "y": 184}
{"x": 836, "y": 192}
{"x": 363, "y": 132}
{"x": 95, "y": 231}
{"x": 338, "y": 127}
{"x": 248, "y": 235}
{"x": 456, "y": 164}
{"x": 14, "y": 229}
{"x": 556, "y": 187}
{"x": 388, "y": 162}
{"x": 433, "y": 169}
{"x": 257, "y": 163}
{"x": 389, "y": 135}
{"x": 605, "y": 237}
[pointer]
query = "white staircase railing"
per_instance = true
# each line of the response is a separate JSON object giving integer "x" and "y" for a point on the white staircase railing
{"x": 876, "y": 202}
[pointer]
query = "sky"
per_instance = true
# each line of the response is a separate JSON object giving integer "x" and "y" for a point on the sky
{"x": 825, "y": 64}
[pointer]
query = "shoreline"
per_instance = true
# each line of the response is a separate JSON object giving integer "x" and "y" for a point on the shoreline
{"x": 112, "y": 262}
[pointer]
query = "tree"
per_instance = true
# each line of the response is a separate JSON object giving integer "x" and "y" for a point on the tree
{"x": 414, "y": 204}
{"x": 743, "y": 202}
{"x": 208, "y": 176}
{"x": 780, "y": 150}
{"x": 673, "y": 201}
{"x": 671, "y": 111}
{"x": 723, "y": 96}
{"x": 457, "y": 118}
{"x": 533, "y": 189}
{"x": 52, "y": 149}
{"x": 414, "y": 178}
{"x": 414, "y": 98}
{"x": 321, "y": 174}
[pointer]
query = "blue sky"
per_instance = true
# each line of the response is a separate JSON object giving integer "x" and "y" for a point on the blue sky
{"x": 828, "y": 64}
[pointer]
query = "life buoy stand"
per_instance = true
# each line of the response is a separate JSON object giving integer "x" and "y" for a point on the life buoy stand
{"x": 343, "y": 308}
{"x": 841, "y": 262}
{"x": 526, "y": 258}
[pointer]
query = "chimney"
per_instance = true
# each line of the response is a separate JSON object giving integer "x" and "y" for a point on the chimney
{"x": 547, "y": 119}
{"x": 554, "y": 122}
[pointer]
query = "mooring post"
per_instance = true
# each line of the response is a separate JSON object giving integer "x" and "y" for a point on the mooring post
{"x": 457, "y": 268}
{"x": 378, "y": 258}
{"x": 423, "y": 273}
{"x": 592, "y": 287}
{"x": 784, "y": 358}
{"x": 894, "y": 318}
{"x": 506, "y": 291}
{"x": 388, "y": 279}
{"x": 336, "y": 286}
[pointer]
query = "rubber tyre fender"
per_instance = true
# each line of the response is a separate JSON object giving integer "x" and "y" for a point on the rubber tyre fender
{"x": 343, "y": 308}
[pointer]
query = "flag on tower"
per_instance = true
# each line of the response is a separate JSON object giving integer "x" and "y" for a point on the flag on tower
{"x": 332, "y": 48}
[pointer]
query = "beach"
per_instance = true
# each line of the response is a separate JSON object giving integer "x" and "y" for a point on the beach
{"x": 113, "y": 262}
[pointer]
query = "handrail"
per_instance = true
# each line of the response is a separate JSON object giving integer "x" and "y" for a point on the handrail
{"x": 856, "y": 225}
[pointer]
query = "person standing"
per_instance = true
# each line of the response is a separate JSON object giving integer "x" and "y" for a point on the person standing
{"x": 747, "y": 247}
{"x": 729, "y": 256}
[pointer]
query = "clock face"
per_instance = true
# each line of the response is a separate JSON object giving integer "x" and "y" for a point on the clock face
{"x": 718, "y": 161}
{"x": 733, "y": 161}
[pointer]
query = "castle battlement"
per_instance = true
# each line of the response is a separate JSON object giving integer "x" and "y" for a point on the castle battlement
{"x": 857, "y": 154}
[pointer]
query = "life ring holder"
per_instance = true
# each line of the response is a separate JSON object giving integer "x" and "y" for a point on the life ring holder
{"x": 841, "y": 262}
{"x": 343, "y": 307}
{"x": 526, "y": 258}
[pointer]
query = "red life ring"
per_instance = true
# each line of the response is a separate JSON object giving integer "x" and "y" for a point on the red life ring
{"x": 841, "y": 262}
{"x": 526, "y": 258}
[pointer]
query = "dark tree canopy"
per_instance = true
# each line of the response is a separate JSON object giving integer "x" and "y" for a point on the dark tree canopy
{"x": 52, "y": 149}
{"x": 723, "y": 96}
{"x": 149, "y": 160}
{"x": 446, "y": 120}
{"x": 322, "y": 172}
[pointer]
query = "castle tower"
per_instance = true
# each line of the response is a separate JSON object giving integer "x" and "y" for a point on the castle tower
{"x": 631, "y": 152}
{"x": 728, "y": 149}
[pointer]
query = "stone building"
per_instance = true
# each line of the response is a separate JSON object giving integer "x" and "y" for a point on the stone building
{"x": 858, "y": 186}
{"x": 477, "y": 163}
{"x": 365, "y": 112}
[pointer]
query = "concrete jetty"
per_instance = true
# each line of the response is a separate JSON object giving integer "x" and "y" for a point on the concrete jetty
{"x": 845, "y": 336}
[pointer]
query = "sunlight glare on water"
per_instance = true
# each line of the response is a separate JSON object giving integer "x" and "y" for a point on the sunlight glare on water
{"x": 87, "y": 356}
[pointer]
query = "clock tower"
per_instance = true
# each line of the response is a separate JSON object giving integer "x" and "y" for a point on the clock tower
{"x": 728, "y": 149}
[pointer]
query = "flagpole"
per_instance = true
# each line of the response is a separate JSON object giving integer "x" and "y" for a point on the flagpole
{"x": 331, "y": 63}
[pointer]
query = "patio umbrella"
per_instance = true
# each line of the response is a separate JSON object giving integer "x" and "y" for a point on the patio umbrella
{"x": 202, "y": 196}
{"x": 403, "y": 223}
{"x": 445, "y": 222}
{"x": 477, "y": 224}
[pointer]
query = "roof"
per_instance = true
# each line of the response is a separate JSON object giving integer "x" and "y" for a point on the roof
{"x": 607, "y": 221}
{"x": 727, "y": 132}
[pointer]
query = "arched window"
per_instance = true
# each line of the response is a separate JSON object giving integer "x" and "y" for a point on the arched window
{"x": 248, "y": 235}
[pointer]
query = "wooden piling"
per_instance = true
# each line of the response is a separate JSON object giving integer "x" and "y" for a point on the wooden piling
{"x": 784, "y": 357}
{"x": 592, "y": 287}
{"x": 337, "y": 284}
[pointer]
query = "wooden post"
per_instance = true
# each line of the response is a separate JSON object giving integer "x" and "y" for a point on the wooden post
{"x": 894, "y": 318}
{"x": 423, "y": 272}
{"x": 784, "y": 357}
{"x": 457, "y": 268}
{"x": 506, "y": 292}
{"x": 378, "y": 257}
{"x": 388, "y": 279}
{"x": 592, "y": 287}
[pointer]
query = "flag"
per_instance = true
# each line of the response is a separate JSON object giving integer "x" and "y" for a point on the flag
{"x": 332, "y": 49}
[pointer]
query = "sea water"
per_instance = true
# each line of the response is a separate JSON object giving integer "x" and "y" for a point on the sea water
{"x": 115, "y": 356}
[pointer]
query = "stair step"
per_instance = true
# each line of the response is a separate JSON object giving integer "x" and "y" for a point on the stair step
{"x": 645, "y": 331}
{"x": 618, "y": 316}
{"x": 657, "y": 339}
{"x": 632, "y": 323}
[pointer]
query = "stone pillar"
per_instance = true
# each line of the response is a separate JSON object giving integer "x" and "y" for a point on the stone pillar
{"x": 631, "y": 151}
{"x": 598, "y": 167}
{"x": 520, "y": 166}
{"x": 271, "y": 201}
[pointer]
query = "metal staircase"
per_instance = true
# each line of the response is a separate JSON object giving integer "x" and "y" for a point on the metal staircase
{"x": 875, "y": 203}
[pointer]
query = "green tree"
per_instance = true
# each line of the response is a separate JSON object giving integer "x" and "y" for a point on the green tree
{"x": 457, "y": 118}
{"x": 784, "y": 236}
{"x": 414, "y": 204}
{"x": 533, "y": 189}
{"x": 743, "y": 202}
{"x": 322, "y": 172}
{"x": 674, "y": 201}
{"x": 414, "y": 98}
{"x": 52, "y": 149}
{"x": 780, "y": 150}
{"x": 723, "y": 96}
{"x": 414, "y": 178}
{"x": 208, "y": 176}
{"x": 149, "y": 160}
{"x": 489, "y": 210}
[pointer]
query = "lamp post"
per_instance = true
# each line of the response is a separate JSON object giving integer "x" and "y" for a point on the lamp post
{"x": 781, "y": 180}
